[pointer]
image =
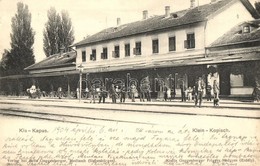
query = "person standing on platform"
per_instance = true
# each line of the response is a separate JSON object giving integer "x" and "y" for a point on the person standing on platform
{"x": 189, "y": 94}
{"x": 133, "y": 90}
{"x": 102, "y": 95}
{"x": 77, "y": 93}
{"x": 215, "y": 89}
{"x": 93, "y": 94}
{"x": 117, "y": 91}
{"x": 142, "y": 93}
{"x": 194, "y": 93}
{"x": 183, "y": 91}
{"x": 59, "y": 92}
{"x": 169, "y": 94}
{"x": 113, "y": 93}
{"x": 146, "y": 88}
{"x": 148, "y": 94}
{"x": 208, "y": 92}
{"x": 216, "y": 93}
{"x": 122, "y": 94}
{"x": 256, "y": 94}
{"x": 165, "y": 95}
{"x": 199, "y": 87}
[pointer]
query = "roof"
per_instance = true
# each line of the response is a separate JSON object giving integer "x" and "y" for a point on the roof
{"x": 184, "y": 17}
{"x": 236, "y": 36}
{"x": 200, "y": 60}
{"x": 54, "y": 61}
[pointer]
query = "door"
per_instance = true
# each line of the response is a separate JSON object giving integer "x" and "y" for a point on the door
{"x": 224, "y": 80}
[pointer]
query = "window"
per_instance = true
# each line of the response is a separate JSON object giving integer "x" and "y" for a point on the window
{"x": 104, "y": 53}
{"x": 138, "y": 48}
{"x": 246, "y": 29}
{"x": 93, "y": 55}
{"x": 83, "y": 55}
{"x": 172, "y": 44}
{"x": 116, "y": 52}
{"x": 190, "y": 42}
{"x": 127, "y": 49}
{"x": 156, "y": 46}
{"x": 240, "y": 80}
{"x": 248, "y": 79}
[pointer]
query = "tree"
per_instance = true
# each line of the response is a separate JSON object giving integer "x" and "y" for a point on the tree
{"x": 58, "y": 32}
{"x": 66, "y": 29}
{"x": 50, "y": 34}
{"x": 257, "y": 7}
{"x": 3, "y": 62}
{"x": 22, "y": 39}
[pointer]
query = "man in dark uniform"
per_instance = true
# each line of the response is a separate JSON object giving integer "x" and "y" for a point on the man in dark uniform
{"x": 93, "y": 94}
{"x": 183, "y": 95}
{"x": 148, "y": 93}
{"x": 122, "y": 94}
{"x": 102, "y": 95}
{"x": 208, "y": 92}
{"x": 165, "y": 95}
{"x": 199, "y": 87}
{"x": 133, "y": 91}
{"x": 113, "y": 93}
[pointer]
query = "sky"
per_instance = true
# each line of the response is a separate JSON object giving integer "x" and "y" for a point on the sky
{"x": 88, "y": 16}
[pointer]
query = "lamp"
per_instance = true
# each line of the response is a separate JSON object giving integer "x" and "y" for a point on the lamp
{"x": 80, "y": 68}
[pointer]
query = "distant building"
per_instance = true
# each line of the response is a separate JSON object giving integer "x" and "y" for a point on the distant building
{"x": 49, "y": 74}
{"x": 58, "y": 70}
{"x": 236, "y": 56}
{"x": 171, "y": 49}
{"x": 57, "y": 64}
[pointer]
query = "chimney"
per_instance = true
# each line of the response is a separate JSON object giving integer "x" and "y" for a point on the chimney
{"x": 145, "y": 14}
{"x": 118, "y": 20}
{"x": 167, "y": 11}
{"x": 192, "y": 3}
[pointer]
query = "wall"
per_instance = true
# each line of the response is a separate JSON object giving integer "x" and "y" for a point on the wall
{"x": 147, "y": 56}
{"x": 241, "y": 91}
{"x": 221, "y": 22}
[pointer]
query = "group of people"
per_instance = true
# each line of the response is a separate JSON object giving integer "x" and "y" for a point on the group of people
{"x": 101, "y": 93}
{"x": 197, "y": 92}
{"x": 116, "y": 92}
{"x": 33, "y": 92}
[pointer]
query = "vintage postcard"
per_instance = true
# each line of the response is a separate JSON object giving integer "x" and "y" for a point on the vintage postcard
{"x": 122, "y": 83}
